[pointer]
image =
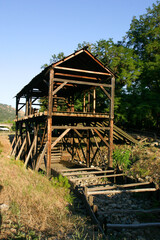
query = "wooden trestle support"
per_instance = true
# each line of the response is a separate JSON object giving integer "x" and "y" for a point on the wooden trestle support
{"x": 81, "y": 132}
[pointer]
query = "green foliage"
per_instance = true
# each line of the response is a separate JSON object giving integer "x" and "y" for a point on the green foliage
{"x": 121, "y": 158}
{"x": 60, "y": 181}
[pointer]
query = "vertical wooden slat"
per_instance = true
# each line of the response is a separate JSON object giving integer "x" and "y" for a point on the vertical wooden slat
{"x": 94, "y": 100}
{"x": 50, "y": 104}
{"x": 84, "y": 102}
{"x": 89, "y": 101}
{"x": 88, "y": 148}
{"x": 110, "y": 150}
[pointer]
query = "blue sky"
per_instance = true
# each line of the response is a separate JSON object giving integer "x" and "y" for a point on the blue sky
{"x": 32, "y": 30}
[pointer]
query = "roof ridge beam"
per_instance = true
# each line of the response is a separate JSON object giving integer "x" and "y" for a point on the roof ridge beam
{"x": 82, "y": 71}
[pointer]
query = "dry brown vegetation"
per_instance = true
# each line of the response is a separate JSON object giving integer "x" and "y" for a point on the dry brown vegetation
{"x": 33, "y": 205}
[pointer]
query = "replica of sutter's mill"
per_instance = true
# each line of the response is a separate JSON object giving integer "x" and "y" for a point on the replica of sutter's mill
{"x": 70, "y": 122}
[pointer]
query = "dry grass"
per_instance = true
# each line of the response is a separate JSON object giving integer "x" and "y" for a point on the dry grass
{"x": 33, "y": 202}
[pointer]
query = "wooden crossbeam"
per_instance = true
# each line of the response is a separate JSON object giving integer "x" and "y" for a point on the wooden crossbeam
{"x": 16, "y": 145}
{"x": 83, "y": 82}
{"x": 96, "y": 177}
{"x": 101, "y": 137}
{"x": 117, "y": 186}
{"x": 21, "y": 149}
{"x": 134, "y": 226}
{"x": 104, "y": 90}
{"x": 60, "y": 137}
{"x": 122, "y": 191}
{"x": 41, "y": 157}
{"x": 58, "y": 88}
{"x": 79, "y": 169}
{"x": 82, "y": 71}
{"x": 30, "y": 151}
{"x": 87, "y": 173}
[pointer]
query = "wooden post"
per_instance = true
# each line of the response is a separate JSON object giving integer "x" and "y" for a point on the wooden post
{"x": 94, "y": 100}
{"x": 84, "y": 102}
{"x": 110, "y": 149}
{"x": 89, "y": 101}
{"x": 16, "y": 134}
{"x": 72, "y": 102}
{"x": 55, "y": 103}
{"x": 50, "y": 103}
{"x": 27, "y": 105}
{"x": 88, "y": 148}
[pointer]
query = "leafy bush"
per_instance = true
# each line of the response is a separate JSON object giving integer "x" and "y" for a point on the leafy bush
{"x": 60, "y": 181}
{"x": 121, "y": 158}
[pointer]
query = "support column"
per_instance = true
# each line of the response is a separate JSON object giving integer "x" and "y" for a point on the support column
{"x": 88, "y": 148}
{"x": 84, "y": 103}
{"x": 16, "y": 134}
{"x": 50, "y": 103}
{"x": 110, "y": 149}
{"x": 94, "y": 100}
{"x": 89, "y": 101}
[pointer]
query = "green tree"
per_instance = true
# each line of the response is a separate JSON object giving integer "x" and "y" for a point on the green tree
{"x": 144, "y": 38}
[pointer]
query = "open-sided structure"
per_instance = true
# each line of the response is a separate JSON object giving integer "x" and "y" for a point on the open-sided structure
{"x": 68, "y": 88}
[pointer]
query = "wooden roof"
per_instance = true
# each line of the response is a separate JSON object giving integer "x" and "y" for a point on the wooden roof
{"x": 79, "y": 66}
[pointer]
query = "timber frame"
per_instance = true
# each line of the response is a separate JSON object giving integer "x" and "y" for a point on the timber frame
{"x": 75, "y": 125}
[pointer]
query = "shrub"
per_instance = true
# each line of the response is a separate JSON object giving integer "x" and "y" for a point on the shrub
{"x": 121, "y": 158}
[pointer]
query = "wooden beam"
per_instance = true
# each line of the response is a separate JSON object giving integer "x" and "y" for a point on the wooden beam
{"x": 101, "y": 137}
{"x": 133, "y": 225}
{"x": 79, "y": 127}
{"x": 96, "y": 177}
{"x": 110, "y": 149}
{"x": 60, "y": 137}
{"x": 82, "y": 71}
{"x": 88, "y": 149}
{"x": 58, "y": 88}
{"x": 87, "y": 173}
{"x": 41, "y": 157}
{"x": 83, "y": 82}
{"x": 29, "y": 154}
{"x": 14, "y": 150}
{"x": 94, "y": 100}
{"x": 50, "y": 105}
{"x": 21, "y": 149}
{"x": 122, "y": 191}
{"x": 104, "y": 90}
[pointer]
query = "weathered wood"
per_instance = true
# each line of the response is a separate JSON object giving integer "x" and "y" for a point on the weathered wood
{"x": 49, "y": 133}
{"x": 134, "y": 226}
{"x": 117, "y": 186}
{"x": 153, "y": 210}
{"x": 104, "y": 176}
{"x": 87, "y": 173}
{"x": 81, "y": 128}
{"x": 122, "y": 191}
{"x": 104, "y": 90}
{"x": 41, "y": 157}
{"x": 58, "y": 88}
{"x": 101, "y": 137}
{"x": 94, "y": 100}
{"x": 82, "y": 71}
{"x": 110, "y": 150}
{"x": 88, "y": 149}
{"x": 79, "y": 169}
{"x": 30, "y": 151}
{"x": 60, "y": 137}
{"x": 21, "y": 149}
{"x": 82, "y": 82}
{"x": 16, "y": 145}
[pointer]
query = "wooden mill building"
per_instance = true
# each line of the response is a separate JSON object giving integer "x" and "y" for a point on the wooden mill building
{"x": 70, "y": 118}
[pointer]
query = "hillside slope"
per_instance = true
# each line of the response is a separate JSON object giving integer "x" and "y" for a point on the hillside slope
{"x": 31, "y": 206}
{"x": 7, "y": 113}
